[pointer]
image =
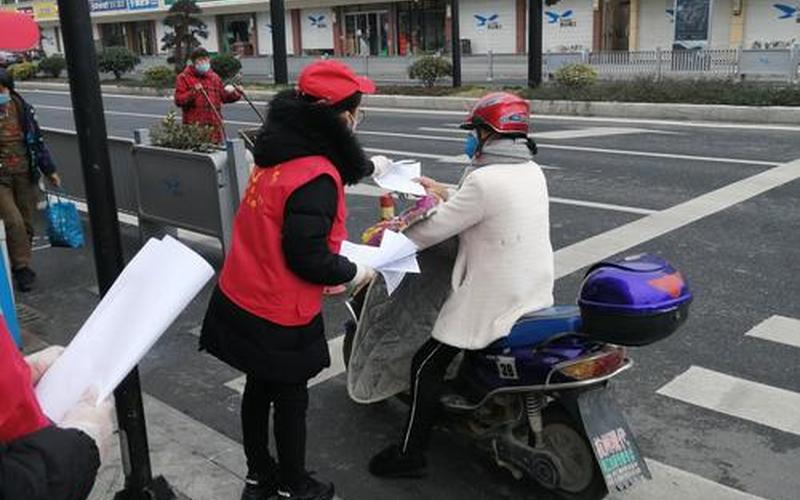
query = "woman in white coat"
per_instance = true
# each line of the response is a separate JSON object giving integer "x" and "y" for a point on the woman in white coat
{"x": 504, "y": 267}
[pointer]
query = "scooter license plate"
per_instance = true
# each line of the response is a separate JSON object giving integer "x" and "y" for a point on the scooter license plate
{"x": 612, "y": 441}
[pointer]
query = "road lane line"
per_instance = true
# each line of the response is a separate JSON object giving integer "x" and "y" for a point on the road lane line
{"x": 459, "y": 139}
{"x": 624, "y": 152}
{"x": 543, "y": 117}
{"x": 583, "y": 133}
{"x": 597, "y": 248}
{"x": 602, "y": 206}
{"x": 778, "y": 329}
{"x": 737, "y": 397}
{"x": 455, "y": 159}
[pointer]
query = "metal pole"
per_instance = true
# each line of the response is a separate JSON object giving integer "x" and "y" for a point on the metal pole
{"x": 534, "y": 43}
{"x": 455, "y": 31}
{"x": 87, "y": 105}
{"x": 277, "y": 13}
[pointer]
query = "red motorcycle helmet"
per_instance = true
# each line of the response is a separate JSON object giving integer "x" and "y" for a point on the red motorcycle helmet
{"x": 505, "y": 113}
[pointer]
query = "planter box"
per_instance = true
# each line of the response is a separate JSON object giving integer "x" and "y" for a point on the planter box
{"x": 186, "y": 189}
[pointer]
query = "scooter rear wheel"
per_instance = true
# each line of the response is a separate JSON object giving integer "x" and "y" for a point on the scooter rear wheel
{"x": 580, "y": 478}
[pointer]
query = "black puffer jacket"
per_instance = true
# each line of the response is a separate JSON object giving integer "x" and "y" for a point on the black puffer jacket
{"x": 50, "y": 464}
{"x": 295, "y": 128}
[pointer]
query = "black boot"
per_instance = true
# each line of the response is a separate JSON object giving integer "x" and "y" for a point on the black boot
{"x": 307, "y": 488}
{"x": 392, "y": 462}
{"x": 25, "y": 278}
{"x": 260, "y": 487}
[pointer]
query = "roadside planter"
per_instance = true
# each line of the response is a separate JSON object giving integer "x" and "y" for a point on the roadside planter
{"x": 190, "y": 190}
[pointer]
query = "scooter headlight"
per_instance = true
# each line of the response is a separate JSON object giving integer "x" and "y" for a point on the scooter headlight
{"x": 595, "y": 365}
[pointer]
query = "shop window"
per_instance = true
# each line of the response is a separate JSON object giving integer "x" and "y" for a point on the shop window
{"x": 421, "y": 27}
{"x": 367, "y": 34}
{"x": 238, "y": 34}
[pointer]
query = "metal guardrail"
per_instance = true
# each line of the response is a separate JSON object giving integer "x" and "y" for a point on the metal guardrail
{"x": 709, "y": 63}
{"x": 779, "y": 64}
{"x": 164, "y": 188}
{"x": 63, "y": 145}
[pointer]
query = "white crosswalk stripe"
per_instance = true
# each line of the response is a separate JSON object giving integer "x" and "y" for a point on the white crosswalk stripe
{"x": 759, "y": 403}
{"x": 669, "y": 483}
{"x": 778, "y": 329}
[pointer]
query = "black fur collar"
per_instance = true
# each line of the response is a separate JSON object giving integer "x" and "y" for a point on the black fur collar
{"x": 296, "y": 128}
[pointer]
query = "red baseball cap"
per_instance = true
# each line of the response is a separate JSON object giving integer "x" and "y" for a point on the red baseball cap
{"x": 332, "y": 81}
{"x": 18, "y": 32}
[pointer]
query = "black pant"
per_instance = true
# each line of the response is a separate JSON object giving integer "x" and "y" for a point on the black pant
{"x": 428, "y": 370}
{"x": 289, "y": 428}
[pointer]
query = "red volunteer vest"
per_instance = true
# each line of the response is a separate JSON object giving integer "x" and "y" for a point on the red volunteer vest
{"x": 255, "y": 275}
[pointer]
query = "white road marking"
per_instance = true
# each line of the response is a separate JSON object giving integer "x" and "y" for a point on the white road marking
{"x": 337, "y": 367}
{"x": 599, "y": 119}
{"x": 593, "y": 119}
{"x": 670, "y": 483}
{"x": 458, "y": 139}
{"x": 585, "y": 149}
{"x": 579, "y": 255}
{"x": 455, "y": 159}
{"x": 778, "y": 329}
{"x": 582, "y": 133}
{"x": 602, "y": 206}
{"x": 737, "y": 397}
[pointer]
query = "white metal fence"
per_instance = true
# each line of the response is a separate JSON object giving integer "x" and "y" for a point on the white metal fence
{"x": 766, "y": 64}
{"x": 718, "y": 63}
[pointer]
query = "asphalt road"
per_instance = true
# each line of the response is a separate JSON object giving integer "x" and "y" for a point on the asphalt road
{"x": 713, "y": 401}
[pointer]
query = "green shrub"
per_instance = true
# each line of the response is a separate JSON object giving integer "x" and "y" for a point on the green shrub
{"x": 22, "y": 71}
{"x": 53, "y": 65}
{"x": 576, "y": 76}
{"x": 173, "y": 134}
{"x": 117, "y": 60}
{"x": 430, "y": 69}
{"x": 726, "y": 92}
{"x": 226, "y": 65}
{"x": 160, "y": 76}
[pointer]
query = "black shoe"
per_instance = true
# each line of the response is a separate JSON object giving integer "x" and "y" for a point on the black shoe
{"x": 25, "y": 277}
{"x": 259, "y": 488}
{"x": 392, "y": 462}
{"x": 307, "y": 488}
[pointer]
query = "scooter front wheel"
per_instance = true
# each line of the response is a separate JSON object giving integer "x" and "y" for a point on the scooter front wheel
{"x": 580, "y": 477}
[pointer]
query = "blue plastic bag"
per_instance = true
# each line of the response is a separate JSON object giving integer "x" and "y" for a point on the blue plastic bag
{"x": 64, "y": 226}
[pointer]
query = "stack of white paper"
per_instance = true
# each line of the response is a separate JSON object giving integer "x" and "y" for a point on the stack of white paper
{"x": 149, "y": 294}
{"x": 400, "y": 178}
{"x": 396, "y": 256}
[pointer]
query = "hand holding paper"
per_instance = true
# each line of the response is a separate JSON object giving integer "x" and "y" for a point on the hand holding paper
{"x": 400, "y": 177}
{"x": 152, "y": 290}
{"x": 393, "y": 259}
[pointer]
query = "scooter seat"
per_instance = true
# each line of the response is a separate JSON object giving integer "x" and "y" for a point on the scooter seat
{"x": 539, "y": 326}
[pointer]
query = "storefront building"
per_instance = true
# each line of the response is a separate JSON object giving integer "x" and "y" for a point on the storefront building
{"x": 401, "y": 28}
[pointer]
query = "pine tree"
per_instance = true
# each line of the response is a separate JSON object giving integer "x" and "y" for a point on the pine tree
{"x": 187, "y": 29}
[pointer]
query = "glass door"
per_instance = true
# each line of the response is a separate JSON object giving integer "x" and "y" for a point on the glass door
{"x": 366, "y": 34}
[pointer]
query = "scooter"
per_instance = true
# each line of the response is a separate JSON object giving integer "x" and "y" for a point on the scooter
{"x": 537, "y": 402}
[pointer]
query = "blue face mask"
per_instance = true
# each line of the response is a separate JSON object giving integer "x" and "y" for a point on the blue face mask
{"x": 203, "y": 68}
{"x": 472, "y": 144}
{"x": 4, "y": 99}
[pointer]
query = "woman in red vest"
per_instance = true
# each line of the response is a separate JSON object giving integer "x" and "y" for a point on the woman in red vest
{"x": 265, "y": 318}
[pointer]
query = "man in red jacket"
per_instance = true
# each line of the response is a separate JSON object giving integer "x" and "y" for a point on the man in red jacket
{"x": 200, "y": 94}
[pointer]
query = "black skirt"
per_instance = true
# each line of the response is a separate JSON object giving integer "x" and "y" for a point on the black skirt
{"x": 260, "y": 348}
